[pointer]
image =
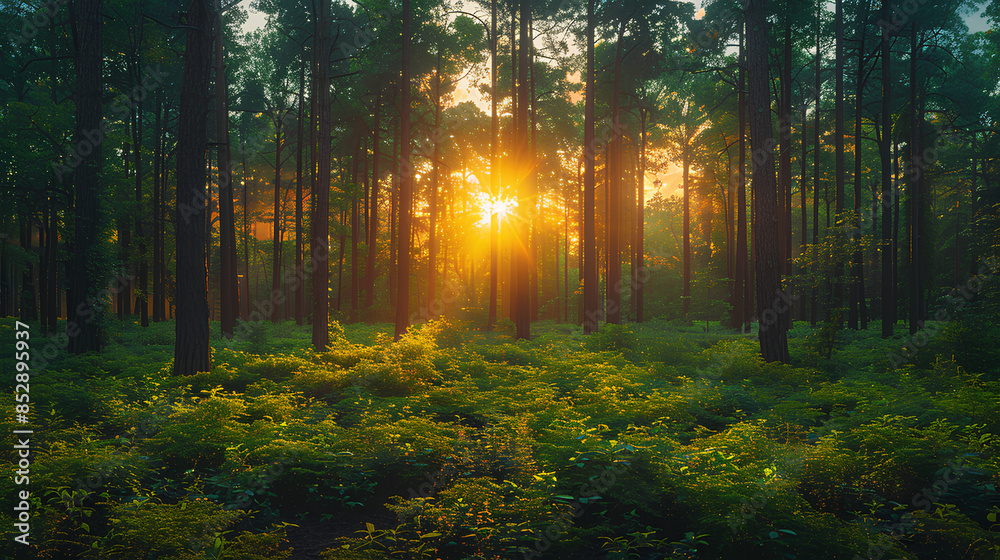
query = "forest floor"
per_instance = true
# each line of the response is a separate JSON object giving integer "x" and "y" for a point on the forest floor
{"x": 659, "y": 440}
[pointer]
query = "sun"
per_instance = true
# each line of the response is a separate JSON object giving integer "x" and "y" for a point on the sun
{"x": 493, "y": 205}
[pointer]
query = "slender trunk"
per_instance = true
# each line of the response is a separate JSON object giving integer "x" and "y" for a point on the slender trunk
{"x": 521, "y": 255}
{"x": 142, "y": 302}
{"x": 533, "y": 214}
{"x": 838, "y": 273}
{"x": 191, "y": 348}
{"x": 686, "y": 166}
{"x": 640, "y": 255}
{"x": 814, "y": 299}
{"x": 276, "y": 314}
{"x": 858, "y": 285}
{"x": 158, "y": 186}
{"x": 321, "y": 186}
{"x": 804, "y": 226}
{"x": 613, "y": 286}
{"x": 494, "y": 170}
{"x": 228, "y": 289}
{"x": 773, "y": 341}
{"x": 741, "y": 289}
{"x": 355, "y": 226}
{"x": 435, "y": 178}
{"x": 589, "y": 239}
{"x": 405, "y": 184}
{"x": 785, "y": 154}
{"x": 299, "y": 141}
{"x": 88, "y": 279}
{"x": 915, "y": 172}
{"x": 372, "y": 241}
{"x": 393, "y": 205}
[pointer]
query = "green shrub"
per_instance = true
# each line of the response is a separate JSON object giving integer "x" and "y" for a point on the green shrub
{"x": 144, "y": 529}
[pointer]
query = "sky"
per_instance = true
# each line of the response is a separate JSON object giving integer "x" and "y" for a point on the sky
{"x": 670, "y": 178}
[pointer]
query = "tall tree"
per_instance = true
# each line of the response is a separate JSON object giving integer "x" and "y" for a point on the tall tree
{"x": 589, "y": 239}
{"x": 521, "y": 256}
{"x": 228, "y": 289}
{"x": 885, "y": 137}
{"x": 405, "y": 183}
{"x": 773, "y": 339}
{"x": 494, "y": 172}
{"x": 320, "y": 244}
{"x": 87, "y": 262}
{"x": 191, "y": 346}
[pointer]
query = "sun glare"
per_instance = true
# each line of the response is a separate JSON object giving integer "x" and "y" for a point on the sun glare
{"x": 489, "y": 205}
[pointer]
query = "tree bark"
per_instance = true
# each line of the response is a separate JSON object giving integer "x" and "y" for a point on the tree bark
{"x": 521, "y": 256}
{"x": 773, "y": 341}
{"x": 228, "y": 278}
{"x": 191, "y": 348}
{"x": 84, "y": 332}
{"x": 405, "y": 185}
{"x": 320, "y": 245}
{"x": 591, "y": 310}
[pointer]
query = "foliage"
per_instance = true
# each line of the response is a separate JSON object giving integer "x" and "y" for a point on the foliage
{"x": 663, "y": 439}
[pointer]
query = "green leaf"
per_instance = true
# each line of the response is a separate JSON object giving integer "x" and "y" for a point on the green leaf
{"x": 773, "y": 535}
{"x": 430, "y": 535}
{"x": 992, "y": 517}
{"x": 371, "y": 528}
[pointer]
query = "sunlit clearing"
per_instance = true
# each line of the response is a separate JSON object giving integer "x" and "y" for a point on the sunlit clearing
{"x": 493, "y": 205}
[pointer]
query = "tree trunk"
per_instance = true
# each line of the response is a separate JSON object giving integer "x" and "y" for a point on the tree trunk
{"x": 640, "y": 255}
{"x": 84, "y": 332}
{"x": 686, "y": 166}
{"x": 916, "y": 195}
{"x": 741, "y": 289}
{"x": 591, "y": 311}
{"x": 158, "y": 186}
{"x": 838, "y": 283}
{"x": 521, "y": 256}
{"x": 857, "y": 269}
{"x": 372, "y": 241}
{"x": 494, "y": 171}
{"x": 773, "y": 341}
{"x": 228, "y": 288}
{"x": 433, "y": 202}
{"x": 405, "y": 185}
{"x": 191, "y": 348}
{"x": 814, "y": 299}
{"x": 355, "y": 226}
{"x": 300, "y": 288}
{"x": 613, "y": 286}
{"x": 276, "y": 313}
{"x": 320, "y": 244}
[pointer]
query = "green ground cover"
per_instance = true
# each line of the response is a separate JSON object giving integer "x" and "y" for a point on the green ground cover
{"x": 645, "y": 441}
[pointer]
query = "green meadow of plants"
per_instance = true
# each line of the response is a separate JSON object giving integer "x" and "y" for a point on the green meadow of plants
{"x": 645, "y": 441}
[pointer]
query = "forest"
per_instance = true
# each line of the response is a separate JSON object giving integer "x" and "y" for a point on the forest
{"x": 500, "y": 279}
